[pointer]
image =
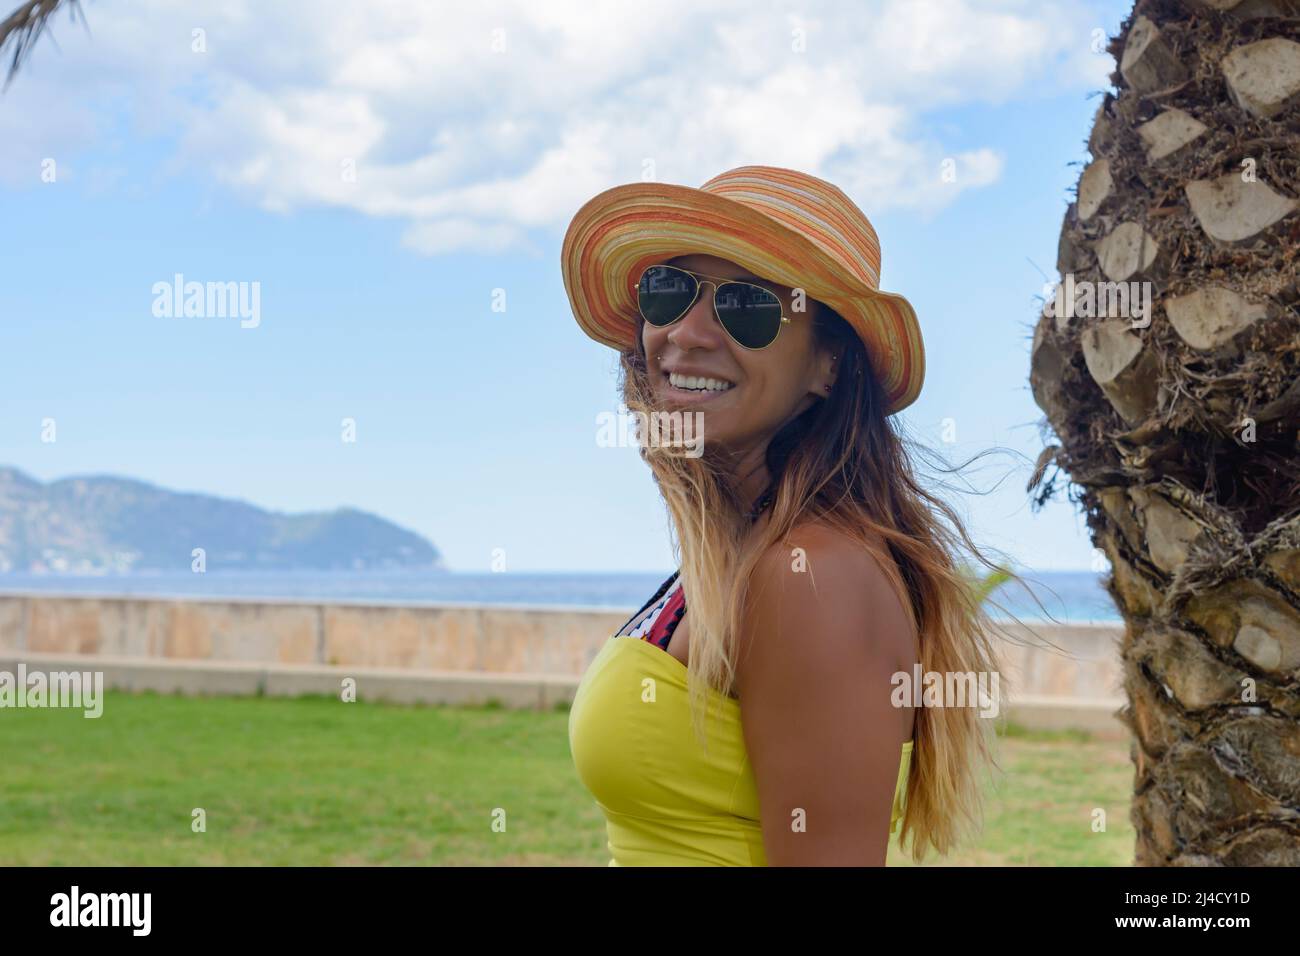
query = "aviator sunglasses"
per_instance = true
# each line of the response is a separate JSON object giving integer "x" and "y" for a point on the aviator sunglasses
{"x": 749, "y": 313}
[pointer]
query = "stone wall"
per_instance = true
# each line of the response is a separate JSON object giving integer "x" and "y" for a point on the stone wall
{"x": 511, "y": 640}
{"x": 525, "y": 654}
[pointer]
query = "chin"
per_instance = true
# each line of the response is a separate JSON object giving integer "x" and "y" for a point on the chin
{"x": 720, "y": 430}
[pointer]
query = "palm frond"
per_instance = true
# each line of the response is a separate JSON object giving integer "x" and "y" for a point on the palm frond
{"x": 991, "y": 582}
{"x": 22, "y": 28}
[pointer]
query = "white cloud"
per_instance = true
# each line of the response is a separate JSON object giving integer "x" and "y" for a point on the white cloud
{"x": 477, "y": 124}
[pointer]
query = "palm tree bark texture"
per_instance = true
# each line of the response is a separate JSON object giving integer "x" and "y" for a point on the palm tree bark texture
{"x": 1177, "y": 428}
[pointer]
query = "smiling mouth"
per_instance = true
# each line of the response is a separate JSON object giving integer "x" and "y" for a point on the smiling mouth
{"x": 698, "y": 385}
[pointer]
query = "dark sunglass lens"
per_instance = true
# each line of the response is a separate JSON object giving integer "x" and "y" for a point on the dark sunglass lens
{"x": 664, "y": 294}
{"x": 750, "y": 314}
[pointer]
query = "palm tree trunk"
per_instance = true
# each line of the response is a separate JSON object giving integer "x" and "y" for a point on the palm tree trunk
{"x": 1179, "y": 425}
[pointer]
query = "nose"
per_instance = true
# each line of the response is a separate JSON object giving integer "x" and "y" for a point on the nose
{"x": 699, "y": 327}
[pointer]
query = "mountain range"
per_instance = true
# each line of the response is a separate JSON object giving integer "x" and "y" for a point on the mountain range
{"x": 101, "y": 523}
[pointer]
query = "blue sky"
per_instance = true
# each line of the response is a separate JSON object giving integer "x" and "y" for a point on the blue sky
{"x": 222, "y": 155}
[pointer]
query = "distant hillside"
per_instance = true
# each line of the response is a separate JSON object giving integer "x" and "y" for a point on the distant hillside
{"x": 102, "y": 523}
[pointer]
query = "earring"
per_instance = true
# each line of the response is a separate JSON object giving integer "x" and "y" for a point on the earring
{"x": 828, "y": 388}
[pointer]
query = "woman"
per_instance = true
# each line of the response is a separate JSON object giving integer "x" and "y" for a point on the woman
{"x": 817, "y": 574}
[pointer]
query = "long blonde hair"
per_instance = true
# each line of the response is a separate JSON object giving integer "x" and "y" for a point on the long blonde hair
{"x": 843, "y": 462}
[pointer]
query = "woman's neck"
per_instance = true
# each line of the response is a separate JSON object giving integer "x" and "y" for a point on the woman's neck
{"x": 751, "y": 476}
{"x": 748, "y": 468}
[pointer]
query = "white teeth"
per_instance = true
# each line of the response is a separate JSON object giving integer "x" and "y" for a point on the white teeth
{"x": 696, "y": 383}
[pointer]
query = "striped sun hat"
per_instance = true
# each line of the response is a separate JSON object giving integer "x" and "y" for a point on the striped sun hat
{"x": 786, "y": 226}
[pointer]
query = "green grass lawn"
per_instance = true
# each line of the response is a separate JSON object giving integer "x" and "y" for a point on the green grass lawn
{"x": 313, "y": 781}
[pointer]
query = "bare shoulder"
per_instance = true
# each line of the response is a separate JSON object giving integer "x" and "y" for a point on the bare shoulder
{"x": 821, "y": 640}
{"x": 819, "y": 588}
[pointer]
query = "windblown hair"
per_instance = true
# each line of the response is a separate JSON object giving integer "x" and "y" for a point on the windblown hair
{"x": 842, "y": 462}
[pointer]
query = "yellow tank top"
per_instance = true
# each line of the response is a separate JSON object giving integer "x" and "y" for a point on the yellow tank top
{"x": 666, "y": 802}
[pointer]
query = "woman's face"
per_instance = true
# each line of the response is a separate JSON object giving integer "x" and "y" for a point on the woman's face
{"x": 768, "y": 386}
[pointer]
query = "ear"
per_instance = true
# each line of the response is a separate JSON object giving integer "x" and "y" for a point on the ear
{"x": 826, "y": 365}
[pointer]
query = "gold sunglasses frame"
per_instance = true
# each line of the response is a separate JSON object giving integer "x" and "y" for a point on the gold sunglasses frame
{"x": 712, "y": 280}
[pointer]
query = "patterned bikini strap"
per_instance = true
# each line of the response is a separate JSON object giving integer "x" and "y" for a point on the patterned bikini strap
{"x": 759, "y": 507}
{"x": 663, "y": 588}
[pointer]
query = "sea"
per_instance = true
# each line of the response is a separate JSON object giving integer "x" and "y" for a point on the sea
{"x": 1066, "y": 596}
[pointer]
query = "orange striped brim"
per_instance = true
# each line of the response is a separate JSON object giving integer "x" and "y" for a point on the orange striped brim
{"x": 786, "y": 226}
